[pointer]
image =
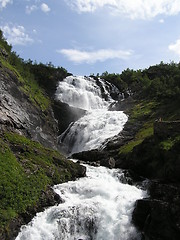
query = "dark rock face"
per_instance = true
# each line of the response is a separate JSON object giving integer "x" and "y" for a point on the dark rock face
{"x": 151, "y": 161}
{"x": 18, "y": 113}
{"x": 158, "y": 217}
{"x": 164, "y": 129}
{"x": 95, "y": 157}
{"x": 123, "y": 105}
{"x": 65, "y": 114}
{"x": 112, "y": 145}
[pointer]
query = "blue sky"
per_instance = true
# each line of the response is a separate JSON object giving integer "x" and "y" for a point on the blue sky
{"x": 93, "y": 36}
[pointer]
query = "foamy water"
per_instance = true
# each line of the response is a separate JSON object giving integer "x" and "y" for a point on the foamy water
{"x": 97, "y": 207}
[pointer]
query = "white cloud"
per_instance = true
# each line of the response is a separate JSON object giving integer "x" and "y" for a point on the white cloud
{"x": 134, "y": 9}
{"x": 102, "y": 55}
{"x": 3, "y": 3}
{"x": 16, "y": 35}
{"x": 161, "y": 20}
{"x": 45, "y": 8}
{"x": 30, "y": 9}
{"x": 175, "y": 47}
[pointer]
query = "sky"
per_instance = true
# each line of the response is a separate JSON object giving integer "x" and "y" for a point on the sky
{"x": 93, "y": 36}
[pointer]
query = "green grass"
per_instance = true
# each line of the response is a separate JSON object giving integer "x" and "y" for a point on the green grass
{"x": 27, "y": 168}
{"x": 143, "y": 110}
{"x": 147, "y": 112}
{"x": 167, "y": 144}
{"x": 145, "y": 131}
{"x": 36, "y": 94}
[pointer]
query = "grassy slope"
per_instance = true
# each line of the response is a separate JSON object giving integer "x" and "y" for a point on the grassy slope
{"x": 146, "y": 154}
{"x": 29, "y": 86}
{"x": 147, "y": 112}
{"x": 26, "y": 167}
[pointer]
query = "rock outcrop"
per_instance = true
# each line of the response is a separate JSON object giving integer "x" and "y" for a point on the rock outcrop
{"x": 18, "y": 113}
{"x": 96, "y": 158}
{"x": 158, "y": 217}
{"x": 65, "y": 114}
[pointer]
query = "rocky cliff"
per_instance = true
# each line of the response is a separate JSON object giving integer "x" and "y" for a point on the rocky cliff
{"x": 20, "y": 114}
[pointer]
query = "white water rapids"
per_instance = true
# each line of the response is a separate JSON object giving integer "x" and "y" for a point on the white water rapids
{"x": 99, "y": 206}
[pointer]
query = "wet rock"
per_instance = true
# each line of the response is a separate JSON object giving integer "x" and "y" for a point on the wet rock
{"x": 109, "y": 162}
{"x": 130, "y": 177}
{"x": 158, "y": 217}
{"x": 81, "y": 171}
{"x": 112, "y": 145}
{"x": 141, "y": 212}
{"x": 96, "y": 158}
{"x": 123, "y": 105}
{"x": 91, "y": 155}
{"x": 66, "y": 114}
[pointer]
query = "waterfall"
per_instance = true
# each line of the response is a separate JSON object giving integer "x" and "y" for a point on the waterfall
{"x": 98, "y": 206}
{"x": 99, "y": 123}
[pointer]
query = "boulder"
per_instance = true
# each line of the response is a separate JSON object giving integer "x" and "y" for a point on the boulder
{"x": 95, "y": 157}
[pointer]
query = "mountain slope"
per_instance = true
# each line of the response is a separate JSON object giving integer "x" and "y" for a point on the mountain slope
{"x": 29, "y": 161}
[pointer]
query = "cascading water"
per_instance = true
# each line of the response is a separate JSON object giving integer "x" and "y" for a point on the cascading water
{"x": 99, "y": 123}
{"x": 99, "y": 206}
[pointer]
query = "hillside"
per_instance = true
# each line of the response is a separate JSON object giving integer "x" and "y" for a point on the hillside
{"x": 152, "y": 98}
{"x": 29, "y": 161}
{"x": 148, "y": 147}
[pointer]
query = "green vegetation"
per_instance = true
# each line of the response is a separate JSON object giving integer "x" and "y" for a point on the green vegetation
{"x": 47, "y": 75}
{"x": 145, "y": 131}
{"x": 143, "y": 110}
{"x": 157, "y": 82}
{"x": 168, "y": 143}
{"x": 35, "y": 80}
{"x": 148, "y": 154}
{"x": 156, "y": 95}
{"x": 26, "y": 79}
{"x": 27, "y": 168}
